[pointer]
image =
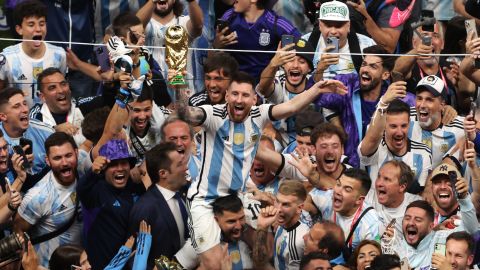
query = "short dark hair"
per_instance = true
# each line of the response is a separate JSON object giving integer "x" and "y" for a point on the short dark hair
{"x": 123, "y": 22}
{"x": 31, "y": 8}
{"x": 464, "y": 236}
{"x": 57, "y": 139}
{"x": 146, "y": 94}
{"x": 8, "y": 93}
{"x": 385, "y": 262}
{"x": 45, "y": 73}
{"x": 406, "y": 174}
{"x": 313, "y": 256}
{"x": 387, "y": 61}
{"x": 423, "y": 205}
{"x": 157, "y": 159}
{"x": 94, "y": 122}
{"x": 230, "y": 203}
{"x": 361, "y": 176}
{"x": 243, "y": 77}
{"x": 63, "y": 257}
{"x": 333, "y": 239}
{"x": 327, "y": 130}
{"x": 221, "y": 61}
{"x": 397, "y": 106}
{"x": 172, "y": 118}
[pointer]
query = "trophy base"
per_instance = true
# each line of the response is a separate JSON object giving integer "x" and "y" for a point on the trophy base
{"x": 178, "y": 80}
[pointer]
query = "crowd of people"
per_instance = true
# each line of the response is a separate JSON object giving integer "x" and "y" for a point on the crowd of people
{"x": 307, "y": 135}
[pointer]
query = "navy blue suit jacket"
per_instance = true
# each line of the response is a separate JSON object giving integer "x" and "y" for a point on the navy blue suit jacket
{"x": 153, "y": 208}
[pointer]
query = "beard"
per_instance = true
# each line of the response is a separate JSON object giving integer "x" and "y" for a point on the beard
{"x": 369, "y": 87}
{"x": 163, "y": 13}
{"x": 297, "y": 84}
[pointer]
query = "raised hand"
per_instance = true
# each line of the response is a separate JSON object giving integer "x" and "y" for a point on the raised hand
{"x": 99, "y": 164}
{"x": 267, "y": 217}
{"x": 283, "y": 55}
{"x": 332, "y": 86}
{"x": 394, "y": 91}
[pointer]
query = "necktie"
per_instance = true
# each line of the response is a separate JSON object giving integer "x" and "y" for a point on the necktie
{"x": 183, "y": 211}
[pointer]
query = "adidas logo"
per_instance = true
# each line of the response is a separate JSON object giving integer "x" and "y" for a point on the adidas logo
{"x": 116, "y": 203}
{"x": 22, "y": 77}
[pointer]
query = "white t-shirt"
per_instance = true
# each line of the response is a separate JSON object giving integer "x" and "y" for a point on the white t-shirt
{"x": 21, "y": 71}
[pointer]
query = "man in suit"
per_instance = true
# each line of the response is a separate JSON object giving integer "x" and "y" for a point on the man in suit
{"x": 161, "y": 206}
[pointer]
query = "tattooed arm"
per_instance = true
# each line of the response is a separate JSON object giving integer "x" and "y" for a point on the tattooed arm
{"x": 195, "y": 116}
{"x": 262, "y": 249}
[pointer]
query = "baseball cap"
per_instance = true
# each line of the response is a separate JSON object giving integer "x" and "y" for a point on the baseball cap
{"x": 432, "y": 84}
{"x": 334, "y": 11}
{"x": 443, "y": 169}
{"x": 305, "y": 50}
{"x": 306, "y": 121}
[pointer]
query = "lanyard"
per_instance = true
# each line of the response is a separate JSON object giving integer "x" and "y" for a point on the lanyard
{"x": 441, "y": 74}
{"x": 355, "y": 217}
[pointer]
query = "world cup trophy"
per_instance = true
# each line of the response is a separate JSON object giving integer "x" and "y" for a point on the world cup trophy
{"x": 176, "y": 49}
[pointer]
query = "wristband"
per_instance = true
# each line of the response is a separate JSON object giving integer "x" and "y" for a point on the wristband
{"x": 11, "y": 207}
{"x": 123, "y": 98}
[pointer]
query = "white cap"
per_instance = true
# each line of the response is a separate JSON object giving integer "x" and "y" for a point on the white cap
{"x": 334, "y": 11}
{"x": 432, "y": 84}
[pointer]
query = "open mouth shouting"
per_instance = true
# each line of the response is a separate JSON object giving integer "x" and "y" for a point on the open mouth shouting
{"x": 423, "y": 115}
{"x": 162, "y": 4}
{"x": 259, "y": 171}
{"x": 295, "y": 77}
{"x": 337, "y": 202}
{"x": 444, "y": 197}
{"x": 215, "y": 93}
{"x": 365, "y": 78}
{"x": 24, "y": 120}
{"x": 141, "y": 123}
{"x": 120, "y": 178}
{"x": 411, "y": 234}
{"x": 329, "y": 163}
{"x": 37, "y": 40}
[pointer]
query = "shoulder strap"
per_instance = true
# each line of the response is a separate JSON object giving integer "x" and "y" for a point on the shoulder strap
{"x": 354, "y": 45}
{"x": 64, "y": 228}
{"x": 314, "y": 37}
{"x": 354, "y": 227}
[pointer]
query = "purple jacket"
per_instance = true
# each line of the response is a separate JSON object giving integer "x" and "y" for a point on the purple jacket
{"x": 350, "y": 109}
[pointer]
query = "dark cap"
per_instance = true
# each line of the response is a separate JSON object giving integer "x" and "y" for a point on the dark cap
{"x": 306, "y": 121}
{"x": 305, "y": 50}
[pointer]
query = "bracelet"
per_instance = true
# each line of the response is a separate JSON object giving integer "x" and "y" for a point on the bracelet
{"x": 11, "y": 207}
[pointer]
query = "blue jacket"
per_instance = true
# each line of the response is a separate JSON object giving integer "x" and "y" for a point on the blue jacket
{"x": 153, "y": 208}
{"x": 349, "y": 107}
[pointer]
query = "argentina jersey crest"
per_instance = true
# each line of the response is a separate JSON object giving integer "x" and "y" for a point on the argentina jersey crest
{"x": 264, "y": 38}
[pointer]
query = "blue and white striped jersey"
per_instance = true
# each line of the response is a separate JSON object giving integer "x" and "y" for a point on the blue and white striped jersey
{"x": 439, "y": 140}
{"x": 289, "y": 245}
{"x": 366, "y": 229}
{"x": 418, "y": 157}
{"x": 21, "y": 71}
{"x": 228, "y": 149}
{"x": 47, "y": 207}
{"x": 280, "y": 94}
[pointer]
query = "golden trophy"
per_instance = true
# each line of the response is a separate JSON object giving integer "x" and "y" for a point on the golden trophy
{"x": 176, "y": 49}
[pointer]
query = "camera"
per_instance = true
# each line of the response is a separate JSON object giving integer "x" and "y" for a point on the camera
{"x": 9, "y": 246}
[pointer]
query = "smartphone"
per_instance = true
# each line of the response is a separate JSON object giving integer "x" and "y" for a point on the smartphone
{"x": 24, "y": 142}
{"x": 440, "y": 249}
{"x": 7, "y": 182}
{"x": 332, "y": 41}
{"x": 397, "y": 76}
{"x": 19, "y": 150}
{"x": 287, "y": 39}
{"x": 26, "y": 239}
{"x": 471, "y": 27}
{"x": 221, "y": 24}
{"x": 427, "y": 40}
{"x": 473, "y": 108}
{"x": 103, "y": 59}
{"x": 392, "y": 223}
{"x": 453, "y": 179}
{"x": 428, "y": 27}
